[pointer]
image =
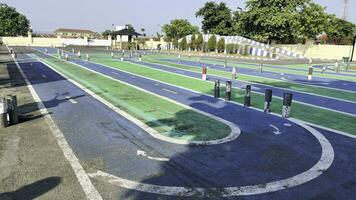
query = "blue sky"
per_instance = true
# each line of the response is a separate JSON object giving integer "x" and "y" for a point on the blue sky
{"x": 48, "y": 15}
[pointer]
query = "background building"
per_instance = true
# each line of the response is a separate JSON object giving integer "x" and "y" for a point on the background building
{"x": 76, "y": 33}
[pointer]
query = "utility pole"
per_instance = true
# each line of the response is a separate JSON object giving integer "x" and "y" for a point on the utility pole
{"x": 345, "y": 9}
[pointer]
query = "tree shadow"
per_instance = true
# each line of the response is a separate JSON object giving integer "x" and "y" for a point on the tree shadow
{"x": 33, "y": 190}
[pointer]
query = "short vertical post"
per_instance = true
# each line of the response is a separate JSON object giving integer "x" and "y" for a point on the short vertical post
{"x": 3, "y": 112}
{"x": 247, "y": 99}
{"x": 261, "y": 68}
{"x": 337, "y": 69}
{"x": 204, "y": 73}
{"x": 179, "y": 58}
{"x": 73, "y": 51}
{"x": 234, "y": 73}
{"x": 287, "y": 103}
{"x": 140, "y": 58}
{"x": 225, "y": 63}
{"x": 88, "y": 58}
{"x": 217, "y": 89}
{"x": 324, "y": 69}
{"x": 46, "y": 51}
{"x": 79, "y": 56}
{"x": 228, "y": 89}
{"x": 268, "y": 100}
{"x": 122, "y": 56}
{"x": 12, "y": 109}
{"x": 67, "y": 57}
{"x": 112, "y": 54}
{"x": 310, "y": 73}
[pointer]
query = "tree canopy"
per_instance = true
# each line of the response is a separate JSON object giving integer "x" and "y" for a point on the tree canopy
{"x": 12, "y": 23}
{"x": 178, "y": 28}
{"x": 217, "y": 18}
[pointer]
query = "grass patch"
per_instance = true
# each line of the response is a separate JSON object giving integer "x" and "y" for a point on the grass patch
{"x": 303, "y": 112}
{"x": 167, "y": 118}
{"x": 350, "y": 96}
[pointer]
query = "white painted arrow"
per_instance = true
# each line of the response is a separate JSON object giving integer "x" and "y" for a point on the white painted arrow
{"x": 144, "y": 154}
{"x": 277, "y": 131}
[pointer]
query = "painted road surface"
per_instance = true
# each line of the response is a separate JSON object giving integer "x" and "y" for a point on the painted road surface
{"x": 314, "y": 100}
{"x": 329, "y": 66}
{"x": 317, "y": 81}
{"x": 257, "y": 156}
{"x": 320, "y": 101}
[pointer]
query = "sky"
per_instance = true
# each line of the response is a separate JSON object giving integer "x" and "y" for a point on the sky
{"x": 49, "y": 15}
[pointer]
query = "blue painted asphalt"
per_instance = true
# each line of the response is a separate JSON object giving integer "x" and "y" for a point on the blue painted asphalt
{"x": 257, "y": 156}
{"x": 325, "y": 102}
{"x": 319, "y": 66}
{"x": 317, "y": 81}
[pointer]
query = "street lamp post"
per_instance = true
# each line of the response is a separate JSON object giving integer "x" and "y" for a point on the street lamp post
{"x": 353, "y": 47}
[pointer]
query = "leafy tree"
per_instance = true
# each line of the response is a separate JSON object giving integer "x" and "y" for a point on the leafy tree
{"x": 212, "y": 43}
{"x": 339, "y": 28}
{"x": 311, "y": 21}
{"x": 178, "y": 28}
{"x": 183, "y": 44}
{"x": 143, "y": 31}
{"x": 192, "y": 42}
{"x": 175, "y": 43}
{"x": 217, "y": 18}
{"x": 106, "y": 33}
{"x": 221, "y": 45}
{"x": 199, "y": 42}
{"x": 130, "y": 27}
{"x": 12, "y": 23}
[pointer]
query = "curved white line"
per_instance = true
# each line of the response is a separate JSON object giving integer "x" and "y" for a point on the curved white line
{"x": 325, "y": 161}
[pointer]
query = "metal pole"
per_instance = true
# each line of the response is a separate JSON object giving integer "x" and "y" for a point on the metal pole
{"x": 353, "y": 48}
{"x": 3, "y": 112}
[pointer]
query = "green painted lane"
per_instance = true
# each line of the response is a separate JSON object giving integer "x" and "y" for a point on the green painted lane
{"x": 345, "y": 95}
{"x": 266, "y": 68}
{"x": 167, "y": 118}
{"x": 310, "y": 114}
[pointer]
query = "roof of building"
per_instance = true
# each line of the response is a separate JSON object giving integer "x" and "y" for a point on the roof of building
{"x": 73, "y": 30}
{"x": 126, "y": 31}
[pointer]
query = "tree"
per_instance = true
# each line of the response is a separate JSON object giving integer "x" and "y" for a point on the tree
{"x": 143, "y": 31}
{"x": 212, "y": 43}
{"x": 339, "y": 28}
{"x": 12, "y": 23}
{"x": 178, "y": 28}
{"x": 199, "y": 42}
{"x": 183, "y": 44}
{"x": 130, "y": 27}
{"x": 175, "y": 43}
{"x": 217, "y": 18}
{"x": 192, "y": 42}
{"x": 106, "y": 33}
{"x": 221, "y": 45}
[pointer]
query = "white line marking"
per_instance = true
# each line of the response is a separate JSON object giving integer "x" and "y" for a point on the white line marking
{"x": 71, "y": 100}
{"x": 325, "y": 161}
{"x": 115, "y": 73}
{"x": 235, "y": 130}
{"x": 277, "y": 131}
{"x": 170, "y": 91}
{"x": 144, "y": 154}
{"x": 88, "y": 188}
{"x": 43, "y": 76}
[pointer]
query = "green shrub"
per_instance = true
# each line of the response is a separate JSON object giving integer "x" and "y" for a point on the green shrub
{"x": 183, "y": 44}
{"x": 221, "y": 45}
{"x": 212, "y": 43}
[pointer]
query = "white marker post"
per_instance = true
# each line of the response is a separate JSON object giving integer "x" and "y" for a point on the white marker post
{"x": 88, "y": 57}
{"x": 73, "y": 51}
{"x": 337, "y": 69}
{"x": 179, "y": 58}
{"x": 204, "y": 75}
{"x": 79, "y": 56}
{"x": 67, "y": 57}
{"x": 46, "y": 50}
{"x": 112, "y": 54}
{"x": 234, "y": 73}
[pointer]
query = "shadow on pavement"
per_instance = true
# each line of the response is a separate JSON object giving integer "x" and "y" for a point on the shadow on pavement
{"x": 32, "y": 190}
